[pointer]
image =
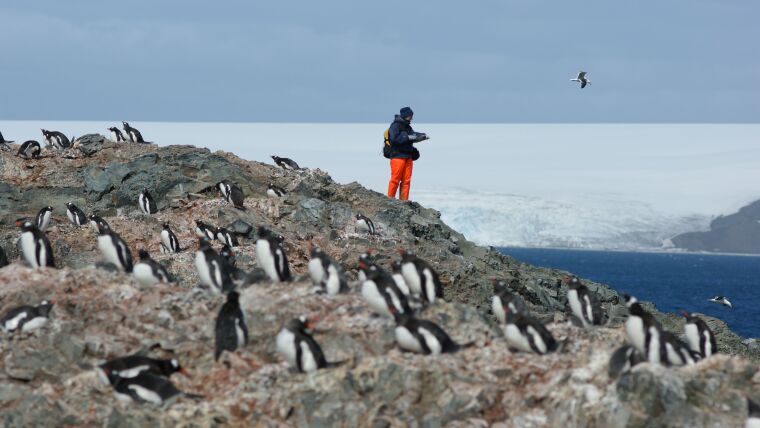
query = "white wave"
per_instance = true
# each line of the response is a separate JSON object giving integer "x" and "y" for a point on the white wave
{"x": 585, "y": 221}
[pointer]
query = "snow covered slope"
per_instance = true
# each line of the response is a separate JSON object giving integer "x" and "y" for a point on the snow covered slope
{"x": 591, "y": 222}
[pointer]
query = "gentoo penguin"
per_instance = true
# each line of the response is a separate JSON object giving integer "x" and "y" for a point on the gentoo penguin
{"x": 674, "y": 352}
{"x": 228, "y": 255}
{"x": 753, "y": 415}
{"x": 381, "y": 293}
{"x": 145, "y": 387}
{"x": 75, "y": 215}
{"x": 364, "y": 224}
{"x": 232, "y": 193}
{"x": 271, "y": 257}
{"x": 527, "y": 334}
{"x": 584, "y": 305}
{"x": 623, "y": 360}
{"x": 423, "y": 281}
{"x": 504, "y": 300}
{"x": 275, "y": 192}
{"x": 722, "y": 300}
{"x": 226, "y": 237}
{"x": 56, "y": 139}
{"x": 169, "y": 241}
{"x": 43, "y": 218}
{"x": 149, "y": 272}
{"x": 212, "y": 270}
{"x": 203, "y": 230}
{"x": 97, "y": 222}
{"x": 132, "y": 365}
{"x": 368, "y": 259}
{"x": 421, "y": 336}
{"x": 35, "y": 246}
{"x": 224, "y": 187}
{"x": 146, "y": 202}
{"x": 26, "y": 318}
{"x": 4, "y": 143}
{"x": 325, "y": 273}
{"x": 132, "y": 134}
{"x": 699, "y": 336}
{"x": 116, "y": 134}
{"x": 3, "y": 258}
{"x": 285, "y": 163}
{"x": 231, "y": 331}
{"x": 29, "y": 150}
{"x": 114, "y": 249}
{"x": 398, "y": 278}
{"x": 643, "y": 331}
{"x": 299, "y": 349}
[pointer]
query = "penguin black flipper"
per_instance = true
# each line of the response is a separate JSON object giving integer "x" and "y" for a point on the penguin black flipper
{"x": 48, "y": 249}
{"x": 237, "y": 197}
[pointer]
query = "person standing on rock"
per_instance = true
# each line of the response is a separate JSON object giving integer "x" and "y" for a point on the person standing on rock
{"x": 402, "y": 152}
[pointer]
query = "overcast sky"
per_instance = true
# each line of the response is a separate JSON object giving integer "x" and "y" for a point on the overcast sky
{"x": 349, "y": 61}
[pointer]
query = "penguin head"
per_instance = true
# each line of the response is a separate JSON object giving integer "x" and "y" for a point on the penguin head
{"x": 166, "y": 226}
{"x": 315, "y": 251}
{"x": 103, "y": 228}
{"x": 45, "y": 132}
{"x": 48, "y": 209}
{"x": 145, "y": 191}
{"x": 263, "y": 232}
{"x": 359, "y": 216}
{"x": 24, "y": 224}
{"x": 169, "y": 367}
{"x": 275, "y": 158}
{"x": 498, "y": 285}
{"x": 125, "y": 124}
{"x": 113, "y": 129}
{"x": 92, "y": 217}
{"x": 203, "y": 244}
{"x": 573, "y": 282}
{"x": 144, "y": 255}
{"x": 406, "y": 255}
{"x": 396, "y": 266}
{"x": 45, "y": 306}
{"x": 69, "y": 204}
{"x": 300, "y": 324}
{"x": 233, "y": 296}
{"x": 226, "y": 251}
{"x": 629, "y": 300}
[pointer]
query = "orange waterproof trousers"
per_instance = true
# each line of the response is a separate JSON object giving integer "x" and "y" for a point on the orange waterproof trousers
{"x": 401, "y": 174}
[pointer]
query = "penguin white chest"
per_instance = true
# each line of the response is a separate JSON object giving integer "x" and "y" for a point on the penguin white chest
{"x": 108, "y": 250}
{"x": 653, "y": 346}
{"x": 286, "y": 346}
{"x": 498, "y": 309}
{"x": 634, "y": 329}
{"x": 692, "y": 336}
{"x": 29, "y": 249}
{"x": 398, "y": 278}
{"x": 412, "y": 278}
{"x": 573, "y": 299}
{"x": 34, "y": 323}
{"x": 166, "y": 240}
{"x": 332, "y": 283}
{"x": 406, "y": 340}
{"x": 204, "y": 273}
{"x": 143, "y": 273}
{"x": 308, "y": 362}
{"x": 266, "y": 260}
{"x": 44, "y": 221}
{"x": 316, "y": 272}
{"x": 516, "y": 339}
{"x": 432, "y": 342}
{"x": 374, "y": 298}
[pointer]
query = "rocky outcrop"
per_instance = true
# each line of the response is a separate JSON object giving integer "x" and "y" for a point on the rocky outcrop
{"x": 46, "y": 377}
{"x": 734, "y": 233}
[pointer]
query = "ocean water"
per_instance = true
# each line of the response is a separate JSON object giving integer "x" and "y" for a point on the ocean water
{"x": 672, "y": 281}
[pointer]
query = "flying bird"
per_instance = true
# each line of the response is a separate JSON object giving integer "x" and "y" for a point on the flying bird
{"x": 582, "y": 79}
{"x": 722, "y": 300}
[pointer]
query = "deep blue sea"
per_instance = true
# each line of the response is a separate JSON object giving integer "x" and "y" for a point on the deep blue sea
{"x": 671, "y": 281}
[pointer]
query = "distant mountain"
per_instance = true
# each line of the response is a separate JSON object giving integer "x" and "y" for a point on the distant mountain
{"x": 735, "y": 233}
{"x": 599, "y": 222}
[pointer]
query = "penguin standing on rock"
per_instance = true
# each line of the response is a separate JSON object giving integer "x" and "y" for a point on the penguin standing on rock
{"x": 133, "y": 134}
{"x": 504, "y": 300}
{"x": 231, "y": 331}
{"x": 421, "y": 336}
{"x": 35, "y": 246}
{"x": 226, "y": 237}
{"x": 286, "y": 163}
{"x": 212, "y": 269}
{"x": 699, "y": 336}
{"x": 114, "y": 249}
{"x": 203, "y": 230}
{"x": 527, "y": 334}
{"x": 224, "y": 187}
{"x": 299, "y": 349}
{"x": 232, "y": 193}
{"x": 56, "y": 139}
{"x": 169, "y": 241}
{"x": 149, "y": 272}
{"x": 364, "y": 225}
{"x": 132, "y": 365}
{"x": 398, "y": 278}
{"x": 643, "y": 331}
{"x": 583, "y": 303}
{"x": 75, "y": 215}
{"x": 97, "y": 222}
{"x": 29, "y": 150}
{"x": 381, "y": 293}
{"x": 26, "y": 318}
{"x": 43, "y": 218}
{"x": 325, "y": 273}
{"x": 419, "y": 275}
{"x": 275, "y": 192}
{"x": 146, "y": 202}
{"x": 271, "y": 257}
{"x": 116, "y": 134}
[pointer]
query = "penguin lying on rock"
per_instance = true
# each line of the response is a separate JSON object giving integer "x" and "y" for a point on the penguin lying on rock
{"x": 26, "y": 318}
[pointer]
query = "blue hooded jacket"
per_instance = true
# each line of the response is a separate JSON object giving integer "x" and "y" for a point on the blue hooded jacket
{"x": 398, "y": 135}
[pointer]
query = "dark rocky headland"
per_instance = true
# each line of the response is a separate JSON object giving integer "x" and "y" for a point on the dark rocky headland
{"x": 46, "y": 377}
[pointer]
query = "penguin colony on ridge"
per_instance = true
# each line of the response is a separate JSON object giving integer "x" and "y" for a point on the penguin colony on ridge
{"x": 388, "y": 294}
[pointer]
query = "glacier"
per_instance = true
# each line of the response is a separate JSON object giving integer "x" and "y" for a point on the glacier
{"x": 598, "y": 222}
